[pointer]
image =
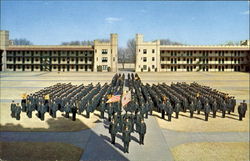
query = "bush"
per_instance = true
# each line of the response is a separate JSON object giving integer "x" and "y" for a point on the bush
{"x": 99, "y": 68}
{"x": 109, "y": 69}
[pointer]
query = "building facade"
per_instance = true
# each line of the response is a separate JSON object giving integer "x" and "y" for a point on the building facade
{"x": 102, "y": 56}
{"x": 152, "y": 56}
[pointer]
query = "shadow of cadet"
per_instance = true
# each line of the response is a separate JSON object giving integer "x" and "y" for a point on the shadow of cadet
{"x": 64, "y": 130}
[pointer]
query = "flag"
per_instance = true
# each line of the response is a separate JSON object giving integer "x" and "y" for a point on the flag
{"x": 24, "y": 96}
{"x": 126, "y": 98}
{"x": 114, "y": 98}
{"x": 46, "y": 97}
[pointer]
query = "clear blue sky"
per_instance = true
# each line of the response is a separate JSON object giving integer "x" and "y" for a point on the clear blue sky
{"x": 51, "y": 22}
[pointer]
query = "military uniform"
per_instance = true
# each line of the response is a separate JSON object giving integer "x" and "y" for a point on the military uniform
{"x": 18, "y": 112}
{"x": 142, "y": 131}
{"x": 13, "y": 109}
{"x": 112, "y": 130}
{"x": 126, "y": 138}
{"x": 206, "y": 111}
{"x": 241, "y": 111}
{"x": 214, "y": 108}
{"x": 191, "y": 109}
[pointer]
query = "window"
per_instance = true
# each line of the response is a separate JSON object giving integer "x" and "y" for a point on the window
{"x": 153, "y": 66}
{"x": 81, "y": 67}
{"x": 72, "y": 67}
{"x": 36, "y": 59}
{"x": 72, "y": 59}
{"x": 82, "y": 59}
{"x": 104, "y": 67}
{"x": 54, "y": 67}
{"x": 162, "y": 58}
{"x": 153, "y": 58}
{"x": 139, "y": 50}
{"x": 104, "y": 59}
{"x": 28, "y": 60}
{"x": 144, "y": 51}
{"x": 113, "y": 58}
{"x": 104, "y": 51}
{"x": 153, "y": 50}
{"x": 144, "y": 59}
{"x": 63, "y": 59}
{"x": 54, "y": 59}
{"x": 9, "y": 59}
{"x": 144, "y": 67}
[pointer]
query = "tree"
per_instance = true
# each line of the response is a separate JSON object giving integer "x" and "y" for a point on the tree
{"x": 169, "y": 42}
{"x": 85, "y": 42}
{"x": 131, "y": 50}
{"x": 21, "y": 41}
{"x": 231, "y": 43}
{"x": 122, "y": 56}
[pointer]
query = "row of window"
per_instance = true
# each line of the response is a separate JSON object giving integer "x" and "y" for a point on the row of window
{"x": 36, "y": 60}
{"x": 145, "y": 51}
{"x": 54, "y": 67}
{"x": 190, "y": 53}
{"x": 50, "y": 52}
{"x": 144, "y": 59}
{"x": 194, "y": 59}
{"x": 188, "y": 67}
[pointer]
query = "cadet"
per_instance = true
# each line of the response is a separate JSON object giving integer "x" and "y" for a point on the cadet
{"x": 177, "y": 109}
{"x": 142, "y": 131}
{"x": 43, "y": 109}
{"x": 30, "y": 108}
{"x": 245, "y": 108}
{"x": 17, "y": 112}
{"x": 110, "y": 111}
{"x": 73, "y": 110}
{"x": 126, "y": 138}
{"x": 191, "y": 109}
{"x": 169, "y": 110}
{"x": 206, "y": 111}
{"x": 102, "y": 107}
{"x": 23, "y": 104}
{"x": 112, "y": 130}
{"x": 54, "y": 108}
{"x": 214, "y": 108}
{"x": 223, "y": 109}
{"x": 13, "y": 109}
{"x": 67, "y": 110}
{"x": 88, "y": 109}
{"x": 198, "y": 106}
{"x": 241, "y": 111}
{"x": 163, "y": 108}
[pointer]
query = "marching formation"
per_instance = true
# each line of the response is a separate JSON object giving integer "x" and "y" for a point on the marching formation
{"x": 127, "y": 102}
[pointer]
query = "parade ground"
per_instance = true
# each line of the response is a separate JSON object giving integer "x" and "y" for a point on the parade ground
{"x": 88, "y": 138}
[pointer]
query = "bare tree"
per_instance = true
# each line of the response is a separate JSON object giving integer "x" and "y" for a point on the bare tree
{"x": 103, "y": 40}
{"x": 71, "y": 43}
{"x": 122, "y": 56}
{"x": 131, "y": 50}
{"x": 169, "y": 42}
{"x": 21, "y": 41}
{"x": 231, "y": 43}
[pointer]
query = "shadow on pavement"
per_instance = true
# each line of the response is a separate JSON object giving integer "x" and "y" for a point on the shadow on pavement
{"x": 96, "y": 147}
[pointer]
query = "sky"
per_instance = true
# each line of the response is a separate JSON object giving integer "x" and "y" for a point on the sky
{"x": 188, "y": 22}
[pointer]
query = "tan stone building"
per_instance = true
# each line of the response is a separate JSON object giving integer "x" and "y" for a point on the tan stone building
{"x": 152, "y": 56}
{"x": 100, "y": 56}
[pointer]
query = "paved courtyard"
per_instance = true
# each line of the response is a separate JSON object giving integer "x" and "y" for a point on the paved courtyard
{"x": 163, "y": 139}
